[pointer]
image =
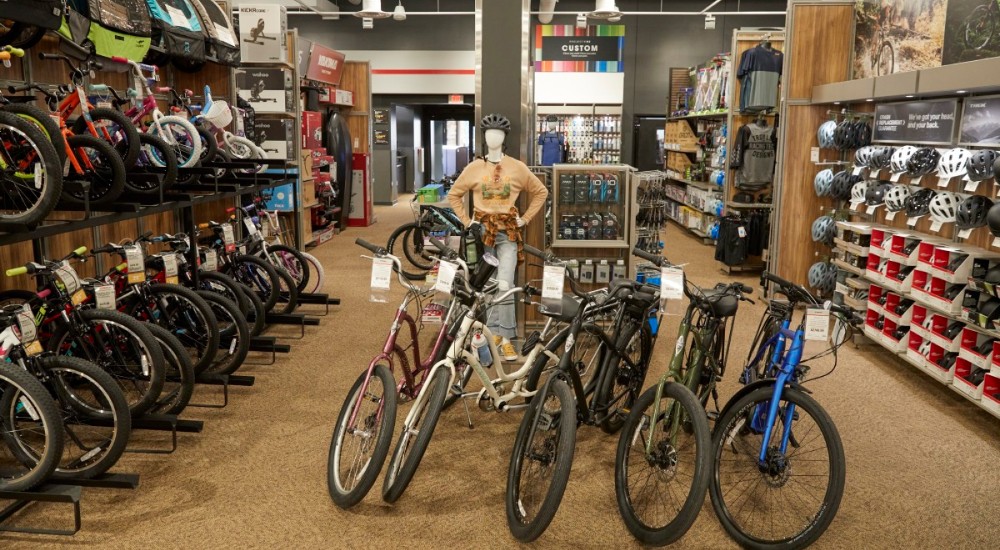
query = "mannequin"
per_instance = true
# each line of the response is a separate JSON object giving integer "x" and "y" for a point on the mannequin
{"x": 495, "y": 181}
{"x": 553, "y": 143}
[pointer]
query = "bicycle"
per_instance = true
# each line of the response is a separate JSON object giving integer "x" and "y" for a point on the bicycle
{"x": 413, "y": 236}
{"x": 302, "y": 266}
{"x": 980, "y": 26}
{"x": 883, "y": 54}
{"x": 33, "y": 411}
{"x": 763, "y": 434}
{"x": 255, "y": 273}
{"x": 667, "y": 429}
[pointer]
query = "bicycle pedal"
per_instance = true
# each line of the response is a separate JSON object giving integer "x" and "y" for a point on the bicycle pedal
{"x": 712, "y": 415}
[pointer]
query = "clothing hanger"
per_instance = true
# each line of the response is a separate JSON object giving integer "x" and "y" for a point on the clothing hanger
{"x": 766, "y": 41}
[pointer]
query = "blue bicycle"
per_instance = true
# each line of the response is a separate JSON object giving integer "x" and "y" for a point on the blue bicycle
{"x": 779, "y": 466}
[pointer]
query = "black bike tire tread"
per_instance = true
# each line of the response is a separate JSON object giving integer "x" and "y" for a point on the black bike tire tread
{"x": 242, "y": 334}
{"x": 184, "y": 366}
{"x": 48, "y": 412}
{"x": 115, "y": 164}
{"x": 50, "y": 159}
{"x": 269, "y": 271}
{"x": 301, "y": 285}
{"x": 212, "y": 326}
{"x": 128, "y": 128}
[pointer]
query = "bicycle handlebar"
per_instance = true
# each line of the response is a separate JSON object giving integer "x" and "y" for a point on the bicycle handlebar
{"x": 655, "y": 259}
{"x": 444, "y": 249}
{"x": 374, "y": 249}
{"x": 849, "y": 314}
{"x": 793, "y": 291}
{"x": 14, "y": 271}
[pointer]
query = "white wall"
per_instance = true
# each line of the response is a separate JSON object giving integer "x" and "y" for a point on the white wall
{"x": 580, "y": 88}
{"x": 419, "y": 71}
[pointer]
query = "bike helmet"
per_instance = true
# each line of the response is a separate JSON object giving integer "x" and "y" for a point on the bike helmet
{"x": 972, "y": 212}
{"x": 824, "y": 229}
{"x": 895, "y": 198}
{"x": 843, "y": 183}
{"x": 823, "y": 183}
{"x": 824, "y": 135}
{"x": 843, "y": 136}
{"x": 494, "y": 121}
{"x": 993, "y": 219}
{"x": 979, "y": 167}
{"x": 858, "y": 191}
{"x": 993, "y": 275}
{"x": 823, "y": 277}
{"x": 923, "y": 161}
{"x": 875, "y": 194}
{"x": 953, "y": 162}
{"x": 882, "y": 157}
{"x": 816, "y": 273}
{"x": 919, "y": 202}
{"x": 900, "y": 157}
{"x": 863, "y": 156}
{"x": 943, "y": 206}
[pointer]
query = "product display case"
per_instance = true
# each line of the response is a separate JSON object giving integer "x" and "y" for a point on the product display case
{"x": 592, "y": 206}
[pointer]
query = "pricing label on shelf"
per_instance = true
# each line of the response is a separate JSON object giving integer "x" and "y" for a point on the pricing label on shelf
{"x": 445, "y": 277}
{"x": 965, "y": 233}
{"x": 971, "y": 186}
{"x": 26, "y": 324}
{"x": 211, "y": 262}
{"x": 871, "y": 209}
{"x": 996, "y": 242}
{"x": 890, "y": 215}
{"x": 936, "y": 226}
{"x": 817, "y": 324}
{"x": 913, "y": 221}
{"x": 671, "y": 283}
{"x": 943, "y": 182}
{"x": 857, "y": 170}
{"x": 228, "y": 239}
{"x": 170, "y": 268}
{"x": 136, "y": 264}
{"x": 814, "y": 154}
{"x": 894, "y": 178}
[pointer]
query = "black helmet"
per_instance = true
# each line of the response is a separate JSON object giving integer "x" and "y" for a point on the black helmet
{"x": 993, "y": 219}
{"x": 843, "y": 182}
{"x": 843, "y": 136}
{"x": 919, "y": 202}
{"x": 494, "y": 121}
{"x": 861, "y": 134}
{"x": 875, "y": 194}
{"x": 923, "y": 162}
{"x": 972, "y": 212}
{"x": 882, "y": 157}
{"x": 980, "y": 165}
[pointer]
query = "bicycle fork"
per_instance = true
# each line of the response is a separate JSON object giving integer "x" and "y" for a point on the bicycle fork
{"x": 792, "y": 359}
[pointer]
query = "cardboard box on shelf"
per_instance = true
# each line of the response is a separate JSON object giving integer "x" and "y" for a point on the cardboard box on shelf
{"x": 306, "y": 165}
{"x": 263, "y": 32}
{"x": 277, "y": 137}
{"x": 268, "y": 90}
{"x": 312, "y": 130}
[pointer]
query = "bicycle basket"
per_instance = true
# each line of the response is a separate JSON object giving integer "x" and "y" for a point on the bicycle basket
{"x": 43, "y": 13}
{"x": 219, "y": 114}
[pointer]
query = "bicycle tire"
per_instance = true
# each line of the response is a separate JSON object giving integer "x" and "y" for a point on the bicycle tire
{"x": 41, "y": 119}
{"x": 288, "y": 298}
{"x": 980, "y": 15}
{"x": 107, "y": 180}
{"x": 523, "y": 529}
{"x": 317, "y": 275}
{"x": 234, "y": 334}
{"x": 126, "y": 144}
{"x": 297, "y": 266}
{"x": 182, "y": 136}
{"x": 263, "y": 279}
{"x": 141, "y": 379}
{"x": 255, "y": 312}
{"x": 619, "y": 375}
{"x": 885, "y": 61}
{"x": 666, "y": 464}
{"x": 209, "y": 144}
{"x": 384, "y": 422}
{"x": 224, "y": 286}
{"x": 736, "y": 418}
{"x": 201, "y": 343}
{"x": 179, "y": 381}
{"x": 405, "y": 460}
{"x": 555, "y": 347}
{"x": 42, "y": 404}
{"x": 154, "y": 152}
{"x": 19, "y": 134}
{"x": 405, "y": 235}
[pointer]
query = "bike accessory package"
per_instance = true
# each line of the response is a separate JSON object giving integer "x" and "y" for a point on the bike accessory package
{"x": 882, "y": 157}
{"x": 919, "y": 202}
{"x": 900, "y": 158}
{"x": 991, "y": 309}
{"x": 895, "y": 198}
{"x": 863, "y": 156}
{"x": 824, "y": 229}
{"x": 944, "y": 206}
{"x": 858, "y": 192}
{"x": 109, "y": 28}
{"x": 222, "y": 42}
{"x": 953, "y": 162}
{"x": 972, "y": 212}
{"x": 923, "y": 161}
{"x": 177, "y": 30}
{"x": 825, "y": 133}
{"x": 743, "y": 197}
{"x": 875, "y": 194}
{"x": 979, "y": 167}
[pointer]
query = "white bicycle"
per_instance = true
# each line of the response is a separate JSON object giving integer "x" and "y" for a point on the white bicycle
{"x": 177, "y": 131}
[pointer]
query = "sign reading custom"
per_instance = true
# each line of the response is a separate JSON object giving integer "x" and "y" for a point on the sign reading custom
{"x": 565, "y": 48}
{"x": 922, "y": 122}
{"x": 580, "y": 48}
{"x": 325, "y": 65}
{"x": 980, "y": 121}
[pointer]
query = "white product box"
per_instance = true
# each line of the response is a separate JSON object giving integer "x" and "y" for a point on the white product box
{"x": 267, "y": 90}
{"x": 276, "y": 136}
{"x": 263, "y": 32}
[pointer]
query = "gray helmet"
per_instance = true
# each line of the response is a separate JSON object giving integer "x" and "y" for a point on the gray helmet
{"x": 494, "y": 121}
{"x": 823, "y": 183}
{"x": 824, "y": 135}
{"x": 895, "y": 198}
{"x": 824, "y": 229}
{"x": 823, "y": 277}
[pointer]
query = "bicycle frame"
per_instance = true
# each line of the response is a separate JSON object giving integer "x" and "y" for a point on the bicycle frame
{"x": 791, "y": 360}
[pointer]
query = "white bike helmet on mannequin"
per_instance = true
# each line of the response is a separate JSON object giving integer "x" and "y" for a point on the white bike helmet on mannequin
{"x": 953, "y": 163}
{"x": 858, "y": 191}
{"x": 900, "y": 157}
{"x": 895, "y": 198}
{"x": 944, "y": 206}
{"x": 823, "y": 183}
{"x": 825, "y": 134}
{"x": 863, "y": 156}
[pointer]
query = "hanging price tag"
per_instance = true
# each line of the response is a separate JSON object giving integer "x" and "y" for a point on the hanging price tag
{"x": 79, "y": 297}
{"x": 742, "y": 232}
{"x": 446, "y": 276}
{"x": 251, "y": 227}
{"x": 211, "y": 262}
{"x": 170, "y": 268}
{"x": 553, "y": 279}
{"x": 381, "y": 279}
{"x": 104, "y": 295}
{"x": 227, "y": 238}
{"x": 242, "y": 249}
{"x": 894, "y": 178}
{"x": 965, "y": 233}
{"x": 136, "y": 265}
{"x": 943, "y": 182}
{"x": 68, "y": 278}
{"x": 39, "y": 174}
{"x": 105, "y": 105}
{"x": 971, "y": 186}
{"x": 996, "y": 242}
{"x": 916, "y": 180}
{"x": 913, "y": 221}
{"x": 33, "y": 348}
{"x": 814, "y": 154}
{"x": 936, "y": 226}
{"x": 817, "y": 324}
{"x": 857, "y": 170}
{"x": 890, "y": 215}
{"x": 26, "y": 324}
{"x": 671, "y": 283}
{"x": 871, "y": 209}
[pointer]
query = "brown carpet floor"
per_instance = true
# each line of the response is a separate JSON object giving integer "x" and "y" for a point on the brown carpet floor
{"x": 921, "y": 460}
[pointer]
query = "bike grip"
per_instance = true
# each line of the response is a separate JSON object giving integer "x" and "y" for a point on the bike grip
{"x": 15, "y": 89}
{"x": 118, "y": 59}
{"x": 80, "y": 251}
{"x": 162, "y": 89}
{"x": 204, "y": 225}
{"x": 44, "y": 55}
{"x": 122, "y": 266}
{"x": 16, "y": 52}
{"x": 649, "y": 257}
{"x": 98, "y": 87}
{"x": 365, "y": 244}
{"x": 14, "y": 271}
{"x": 744, "y": 288}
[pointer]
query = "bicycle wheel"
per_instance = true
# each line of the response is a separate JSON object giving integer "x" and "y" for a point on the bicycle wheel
{"x": 410, "y": 237}
{"x": 885, "y": 61}
{"x": 120, "y": 345}
{"x": 44, "y": 122}
{"x": 34, "y": 414}
{"x": 621, "y": 384}
{"x": 186, "y": 315}
{"x": 114, "y": 128}
{"x": 179, "y": 380}
{"x": 31, "y": 178}
{"x": 660, "y": 494}
{"x": 179, "y": 133}
{"x": 154, "y": 153}
{"x": 587, "y": 354}
{"x": 358, "y": 449}
{"x": 288, "y": 299}
{"x": 413, "y": 440}
{"x": 979, "y": 27}
{"x": 234, "y": 334}
{"x": 293, "y": 261}
{"x": 317, "y": 275}
{"x": 258, "y": 275}
{"x": 224, "y": 286}
{"x": 539, "y": 468}
{"x": 209, "y": 145}
{"x": 789, "y": 500}
{"x": 22, "y": 35}
{"x": 255, "y": 312}
{"x": 105, "y": 173}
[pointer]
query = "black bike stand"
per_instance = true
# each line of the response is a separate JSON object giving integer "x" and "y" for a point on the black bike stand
{"x": 292, "y": 319}
{"x": 57, "y": 493}
{"x": 322, "y": 299}
{"x": 224, "y": 380}
{"x": 267, "y": 344}
{"x": 167, "y": 423}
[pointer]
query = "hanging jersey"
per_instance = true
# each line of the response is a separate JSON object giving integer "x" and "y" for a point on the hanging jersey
{"x": 552, "y": 147}
{"x": 754, "y": 155}
{"x": 759, "y": 73}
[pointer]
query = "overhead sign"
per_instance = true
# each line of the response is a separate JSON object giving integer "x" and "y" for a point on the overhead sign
{"x": 380, "y": 116}
{"x": 565, "y": 48}
{"x": 325, "y": 65}
{"x": 580, "y": 48}
{"x": 921, "y": 122}
{"x": 980, "y": 123}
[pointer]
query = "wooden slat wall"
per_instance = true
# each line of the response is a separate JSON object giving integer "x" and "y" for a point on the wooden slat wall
{"x": 357, "y": 78}
{"x": 680, "y": 78}
{"x": 12, "y": 256}
{"x": 821, "y": 47}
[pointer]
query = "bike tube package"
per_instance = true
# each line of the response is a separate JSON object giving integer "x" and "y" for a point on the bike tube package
{"x": 42, "y": 13}
{"x": 114, "y": 27}
{"x": 221, "y": 38}
{"x": 177, "y": 30}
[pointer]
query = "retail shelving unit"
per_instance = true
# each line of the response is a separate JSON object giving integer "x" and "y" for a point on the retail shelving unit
{"x": 593, "y": 132}
{"x": 692, "y": 145}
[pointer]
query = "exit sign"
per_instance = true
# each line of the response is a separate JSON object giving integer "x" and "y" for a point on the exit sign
{"x": 456, "y": 98}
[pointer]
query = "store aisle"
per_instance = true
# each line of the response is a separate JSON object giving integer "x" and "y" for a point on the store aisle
{"x": 919, "y": 456}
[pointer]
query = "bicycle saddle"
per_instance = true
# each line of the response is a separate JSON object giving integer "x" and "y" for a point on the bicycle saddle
{"x": 570, "y": 307}
{"x": 718, "y": 303}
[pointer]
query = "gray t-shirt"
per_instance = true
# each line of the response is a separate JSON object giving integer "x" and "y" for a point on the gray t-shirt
{"x": 754, "y": 155}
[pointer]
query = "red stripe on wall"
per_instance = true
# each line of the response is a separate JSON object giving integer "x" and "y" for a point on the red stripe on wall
{"x": 423, "y": 71}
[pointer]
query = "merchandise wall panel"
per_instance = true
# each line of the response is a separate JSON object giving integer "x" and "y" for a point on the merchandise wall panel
{"x": 820, "y": 47}
{"x": 15, "y": 255}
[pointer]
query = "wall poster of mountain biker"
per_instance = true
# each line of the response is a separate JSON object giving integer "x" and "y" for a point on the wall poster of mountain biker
{"x": 973, "y": 31}
{"x": 895, "y": 36}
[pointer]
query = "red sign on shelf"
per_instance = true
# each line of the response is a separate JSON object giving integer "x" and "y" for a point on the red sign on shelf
{"x": 456, "y": 98}
{"x": 325, "y": 65}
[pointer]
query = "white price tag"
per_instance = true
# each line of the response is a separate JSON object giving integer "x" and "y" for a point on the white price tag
{"x": 916, "y": 180}
{"x": 913, "y": 221}
{"x": 814, "y": 154}
{"x": 742, "y": 232}
{"x": 68, "y": 277}
{"x": 136, "y": 264}
{"x": 211, "y": 262}
{"x": 104, "y": 295}
{"x": 553, "y": 279}
{"x": 251, "y": 227}
{"x": 857, "y": 170}
{"x": 170, "y": 267}
{"x": 105, "y": 105}
{"x": 996, "y": 242}
{"x": 871, "y": 209}
{"x": 381, "y": 273}
{"x": 894, "y": 178}
{"x": 890, "y": 215}
{"x": 176, "y": 16}
{"x": 965, "y": 233}
{"x": 671, "y": 283}
{"x": 38, "y": 175}
{"x": 817, "y": 324}
{"x": 242, "y": 249}
{"x": 943, "y": 182}
{"x": 445, "y": 276}
{"x": 227, "y": 238}
{"x": 936, "y": 226}
{"x": 971, "y": 186}
{"x": 26, "y": 324}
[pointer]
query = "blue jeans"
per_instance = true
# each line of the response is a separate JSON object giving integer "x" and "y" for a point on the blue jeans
{"x": 502, "y": 319}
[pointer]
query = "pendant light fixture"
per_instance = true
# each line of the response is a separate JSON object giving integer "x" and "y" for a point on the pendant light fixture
{"x": 371, "y": 9}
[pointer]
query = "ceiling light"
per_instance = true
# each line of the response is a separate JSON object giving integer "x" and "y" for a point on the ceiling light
{"x": 371, "y": 9}
{"x": 367, "y": 23}
{"x": 960, "y": 92}
{"x": 605, "y": 9}
{"x": 836, "y": 103}
{"x": 869, "y": 100}
{"x": 399, "y": 14}
{"x": 909, "y": 96}
{"x": 581, "y": 21}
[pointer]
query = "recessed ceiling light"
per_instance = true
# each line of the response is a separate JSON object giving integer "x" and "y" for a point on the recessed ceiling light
{"x": 960, "y": 92}
{"x": 836, "y": 103}
{"x": 869, "y": 99}
{"x": 909, "y": 96}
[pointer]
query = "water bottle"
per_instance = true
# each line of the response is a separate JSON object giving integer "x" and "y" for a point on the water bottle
{"x": 482, "y": 348}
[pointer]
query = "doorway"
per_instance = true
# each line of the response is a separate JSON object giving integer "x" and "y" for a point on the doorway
{"x": 450, "y": 135}
{"x": 647, "y": 151}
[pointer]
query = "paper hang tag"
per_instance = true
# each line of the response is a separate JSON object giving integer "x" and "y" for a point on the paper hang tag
{"x": 251, "y": 227}
{"x": 890, "y": 215}
{"x": 943, "y": 182}
{"x": 996, "y": 242}
{"x": 671, "y": 283}
{"x": 971, "y": 186}
{"x": 227, "y": 238}
{"x": 68, "y": 277}
{"x": 136, "y": 265}
{"x": 79, "y": 297}
{"x": 170, "y": 268}
{"x": 871, "y": 209}
{"x": 553, "y": 279}
{"x": 33, "y": 348}
{"x": 39, "y": 175}
{"x": 26, "y": 324}
{"x": 965, "y": 233}
{"x": 916, "y": 180}
{"x": 265, "y": 230}
{"x": 814, "y": 154}
{"x": 894, "y": 178}
{"x": 211, "y": 262}
{"x": 817, "y": 324}
{"x": 381, "y": 273}
{"x": 742, "y": 232}
{"x": 913, "y": 221}
{"x": 936, "y": 226}
{"x": 445, "y": 277}
{"x": 105, "y": 297}
{"x": 857, "y": 170}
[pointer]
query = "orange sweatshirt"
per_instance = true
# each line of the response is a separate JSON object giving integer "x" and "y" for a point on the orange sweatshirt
{"x": 495, "y": 188}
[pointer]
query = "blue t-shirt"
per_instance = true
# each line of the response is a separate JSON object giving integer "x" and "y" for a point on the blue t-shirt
{"x": 759, "y": 72}
{"x": 552, "y": 147}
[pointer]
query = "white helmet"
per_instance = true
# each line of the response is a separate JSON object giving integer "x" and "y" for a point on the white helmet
{"x": 858, "y": 191}
{"x": 863, "y": 156}
{"x": 895, "y": 198}
{"x": 900, "y": 157}
{"x": 825, "y": 134}
{"x": 823, "y": 183}
{"x": 953, "y": 162}
{"x": 944, "y": 205}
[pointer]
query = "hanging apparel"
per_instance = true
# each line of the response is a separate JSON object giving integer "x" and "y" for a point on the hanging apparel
{"x": 506, "y": 223}
{"x": 759, "y": 73}
{"x": 754, "y": 155}
{"x": 553, "y": 144}
{"x": 742, "y": 236}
